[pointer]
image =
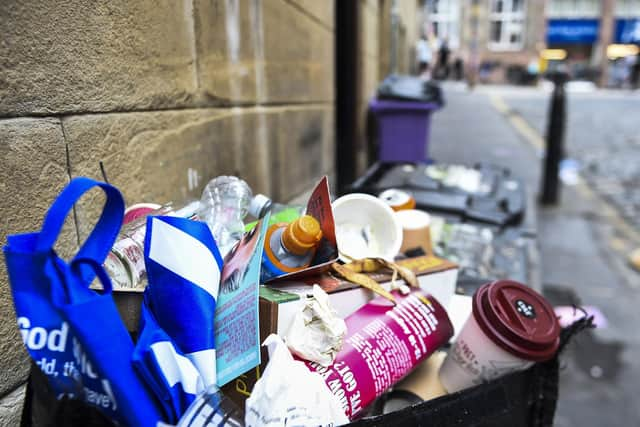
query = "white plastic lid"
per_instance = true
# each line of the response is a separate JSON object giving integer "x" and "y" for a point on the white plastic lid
{"x": 258, "y": 204}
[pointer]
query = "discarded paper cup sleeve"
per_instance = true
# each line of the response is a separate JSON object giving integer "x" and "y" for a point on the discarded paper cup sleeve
{"x": 424, "y": 380}
{"x": 415, "y": 230}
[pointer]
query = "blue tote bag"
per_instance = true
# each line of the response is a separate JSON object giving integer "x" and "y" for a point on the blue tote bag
{"x": 74, "y": 334}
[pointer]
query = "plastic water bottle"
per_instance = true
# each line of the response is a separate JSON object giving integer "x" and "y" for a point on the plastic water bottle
{"x": 290, "y": 247}
{"x": 261, "y": 205}
{"x": 225, "y": 202}
{"x": 125, "y": 262}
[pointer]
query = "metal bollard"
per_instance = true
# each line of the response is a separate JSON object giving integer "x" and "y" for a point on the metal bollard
{"x": 555, "y": 141}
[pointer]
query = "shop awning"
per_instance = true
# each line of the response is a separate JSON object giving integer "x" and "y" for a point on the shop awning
{"x": 572, "y": 31}
{"x": 627, "y": 31}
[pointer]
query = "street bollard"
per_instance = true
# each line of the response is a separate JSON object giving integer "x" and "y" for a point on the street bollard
{"x": 555, "y": 141}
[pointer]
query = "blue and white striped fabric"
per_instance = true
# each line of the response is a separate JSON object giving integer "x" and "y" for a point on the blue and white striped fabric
{"x": 171, "y": 376}
{"x": 176, "y": 348}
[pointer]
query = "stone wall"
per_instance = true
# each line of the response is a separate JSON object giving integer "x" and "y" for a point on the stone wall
{"x": 410, "y": 18}
{"x": 167, "y": 95}
{"x": 375, "y": 33}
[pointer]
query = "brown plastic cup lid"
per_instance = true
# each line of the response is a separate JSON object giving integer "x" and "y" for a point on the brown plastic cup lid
{"x": 517, "y": 319}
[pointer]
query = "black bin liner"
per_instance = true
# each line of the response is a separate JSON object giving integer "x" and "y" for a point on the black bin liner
{"x": 520, "y": 399}
{"x": 503, "y": 203}
{"x": 410, "y": 88}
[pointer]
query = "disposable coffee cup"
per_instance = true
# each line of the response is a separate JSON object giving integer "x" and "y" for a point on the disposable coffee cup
{"x": 511, "y": 327}
{"x": 415, "y": 230}
{"x": 366, "y": 227}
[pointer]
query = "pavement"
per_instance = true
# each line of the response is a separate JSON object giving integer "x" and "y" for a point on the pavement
{"x": 602, "y": 139}
{"x": 584, "y": 241}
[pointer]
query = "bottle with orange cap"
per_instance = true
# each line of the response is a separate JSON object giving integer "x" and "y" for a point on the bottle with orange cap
{"x": 290, "y": 247}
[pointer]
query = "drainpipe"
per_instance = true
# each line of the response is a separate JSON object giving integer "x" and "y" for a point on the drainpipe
{"x": 395, "y": 28}
{"x": 346, "y": 85}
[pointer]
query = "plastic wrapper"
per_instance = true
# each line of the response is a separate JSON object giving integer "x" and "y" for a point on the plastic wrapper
{"x": 290, "y": 394}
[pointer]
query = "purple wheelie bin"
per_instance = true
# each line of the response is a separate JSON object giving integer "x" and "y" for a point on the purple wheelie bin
{"x": 403, "y": 129}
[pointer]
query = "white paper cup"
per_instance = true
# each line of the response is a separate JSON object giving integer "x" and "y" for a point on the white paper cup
{"x": 475, "y": 359}
{"x": 511, "y": 327}
{"x": 366, "y": 227}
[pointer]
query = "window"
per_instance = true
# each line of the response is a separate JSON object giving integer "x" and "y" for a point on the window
{"x": 574, "y": 8}
{"x": 517, "y": 5}
{"x": 627, "y": 8}
{"x": 506, "y": 24}
{"x": 444, "y": 16}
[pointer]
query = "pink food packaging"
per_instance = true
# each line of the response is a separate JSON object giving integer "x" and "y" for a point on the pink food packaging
{"x": 383, "y": 344}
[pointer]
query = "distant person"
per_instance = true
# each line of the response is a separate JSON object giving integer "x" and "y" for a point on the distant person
{"x": 618, "y": 73}
{"x": 634, "y": 76}
{"x": 533, "y": 71}
{"x": 423, "y": 57}
{"x": 443, "y": 59}
{"x": 458, "y": 69}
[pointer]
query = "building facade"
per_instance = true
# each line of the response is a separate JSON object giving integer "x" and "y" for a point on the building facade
{"x": 594, "y": 40}
{"x": 514, "y": 40}
{"x": 496, "y": 39}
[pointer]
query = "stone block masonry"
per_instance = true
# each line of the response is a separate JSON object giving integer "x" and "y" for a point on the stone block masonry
{"x": 170, "y": 155}
{"x": 167, "y": 95}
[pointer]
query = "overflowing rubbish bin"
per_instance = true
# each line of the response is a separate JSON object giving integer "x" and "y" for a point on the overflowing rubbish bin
{"x": 362, "y": 315}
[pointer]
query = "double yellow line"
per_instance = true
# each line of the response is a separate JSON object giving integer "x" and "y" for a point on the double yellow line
{"x": 530, "y": 135}
{"x": 533, "y": 138}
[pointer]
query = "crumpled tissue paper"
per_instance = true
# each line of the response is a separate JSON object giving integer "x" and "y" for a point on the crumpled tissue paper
{"x": 316, "y": 333}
